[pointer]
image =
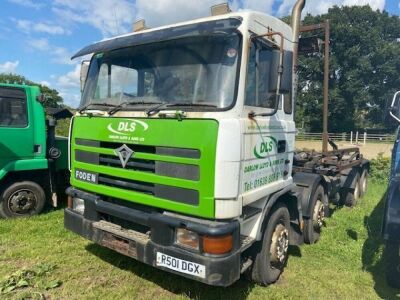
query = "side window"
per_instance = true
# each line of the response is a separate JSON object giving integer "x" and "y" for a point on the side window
{"x": 13, "y": 108}
{"x": 102, "y": 83}
{"x": 257, "y": 84}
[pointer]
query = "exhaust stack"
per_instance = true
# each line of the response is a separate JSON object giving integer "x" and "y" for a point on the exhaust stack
{"x": 295, "y": 23}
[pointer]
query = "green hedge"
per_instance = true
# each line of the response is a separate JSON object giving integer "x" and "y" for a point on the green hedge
{"x": 380, "y": 168}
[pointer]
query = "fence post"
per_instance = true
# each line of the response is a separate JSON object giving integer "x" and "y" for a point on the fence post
{"x": 357, "y": 138}
{"x": 351, "y": 137}
{"x": 365, "y": 138}
{"x": 343, "y": 136}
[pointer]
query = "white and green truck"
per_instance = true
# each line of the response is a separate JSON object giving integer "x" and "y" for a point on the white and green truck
{"x": 182, "y": 154}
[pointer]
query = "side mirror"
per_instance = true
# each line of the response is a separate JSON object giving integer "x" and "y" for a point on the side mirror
{"x": 41, "y": 98}
{"x": 44, "y": 99}
{"x": 395, "y": 107}
{"x": 84, "y": 72}
{"x": 286, "y": 79}
{"x": 310, "y": 44}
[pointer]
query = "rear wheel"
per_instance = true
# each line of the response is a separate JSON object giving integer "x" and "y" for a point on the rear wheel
{"x": 392, "y": 260}
{"x": 25, "y": 198}
{"x": 313, "y": 225}
{"x": 353, "y": 196}
{"x": 363, "y": 183}
{"x": 272, "y": 254}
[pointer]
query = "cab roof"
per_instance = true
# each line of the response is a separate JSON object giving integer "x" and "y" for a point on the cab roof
{"x": 182, "y": 29}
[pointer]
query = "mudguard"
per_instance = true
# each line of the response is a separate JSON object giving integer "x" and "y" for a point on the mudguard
{"x": 306, "y": 184}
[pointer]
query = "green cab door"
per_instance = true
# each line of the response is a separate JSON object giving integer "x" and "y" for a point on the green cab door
{"x": 16, "y": 130}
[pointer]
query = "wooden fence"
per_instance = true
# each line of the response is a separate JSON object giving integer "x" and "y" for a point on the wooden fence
{"x": 351, "y": 137}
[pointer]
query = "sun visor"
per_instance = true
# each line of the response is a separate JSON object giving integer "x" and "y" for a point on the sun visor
{"x": 210, "y": 27}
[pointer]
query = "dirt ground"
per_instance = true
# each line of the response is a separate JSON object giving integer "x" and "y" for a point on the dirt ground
{"x": 370, "y": 150}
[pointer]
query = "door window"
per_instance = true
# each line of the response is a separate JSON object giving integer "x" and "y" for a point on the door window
{"x": 257, "y": 84}
{"x": 13, "y": 108}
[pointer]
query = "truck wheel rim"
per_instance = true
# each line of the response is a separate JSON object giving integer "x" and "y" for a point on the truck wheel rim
{"x": 364, "y": 184}
{"x": 279, "y": 245}
{"x": 319, "y": 215}
{"x": 22, "y": 202}
{"x": 356, "y": 192}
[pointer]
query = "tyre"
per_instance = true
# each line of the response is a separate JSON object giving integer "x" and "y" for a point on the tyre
{"x": 25, "y": 198}
{"x": 392, "y": 262}
{"x": 313, "y": 225}
{"x": 363, "y": 183}
{"x": 352, "y": 197}
{"x": 272, "y": 253}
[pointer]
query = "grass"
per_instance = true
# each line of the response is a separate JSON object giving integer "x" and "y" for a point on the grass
{"x": 345, "y": 264}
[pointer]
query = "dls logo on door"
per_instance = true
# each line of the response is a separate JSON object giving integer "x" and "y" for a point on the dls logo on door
{"x": 267, "y": 146}
{"x": 127, "y": 126}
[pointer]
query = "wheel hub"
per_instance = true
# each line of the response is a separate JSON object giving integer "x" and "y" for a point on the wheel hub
{"x": 356, "y": 192}
{"x": 364, "y": 184}
{"x": 319, "y": 215}
{"x": 280, "y": 244}
{"x": 21, "y": 202}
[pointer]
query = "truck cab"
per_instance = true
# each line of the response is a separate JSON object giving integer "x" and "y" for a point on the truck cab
{"x": 24, "y": 160}
{"x": 182, "y": 152}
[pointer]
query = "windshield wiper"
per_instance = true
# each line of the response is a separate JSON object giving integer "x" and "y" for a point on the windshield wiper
{"x": 153, "y": 110}
{"x": 192, "y": 104}
{"x": 163, "y": 106}
{"x": 83, "y": 108}
{"x": 129, "y": 103}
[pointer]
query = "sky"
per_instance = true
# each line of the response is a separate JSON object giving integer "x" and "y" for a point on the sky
{"x": 37, "y": 38}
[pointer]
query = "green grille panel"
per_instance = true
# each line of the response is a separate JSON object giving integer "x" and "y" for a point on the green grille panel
{"x": 187, "y": 146}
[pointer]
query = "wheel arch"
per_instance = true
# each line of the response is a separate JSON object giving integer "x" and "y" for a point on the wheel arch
{"x": 306, "y": 185}
{"x": 40, "y": 176}
{"x": 285, "y": 196}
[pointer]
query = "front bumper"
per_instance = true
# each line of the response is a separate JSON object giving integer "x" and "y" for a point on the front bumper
{"x": 144, "y": 246}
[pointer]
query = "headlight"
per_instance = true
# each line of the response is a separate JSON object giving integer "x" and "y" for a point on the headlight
{"x": 187, "y": 238}
{"x": 78, "y": 205}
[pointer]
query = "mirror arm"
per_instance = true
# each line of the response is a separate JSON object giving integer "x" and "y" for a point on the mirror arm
{"x": 392, "y": 107}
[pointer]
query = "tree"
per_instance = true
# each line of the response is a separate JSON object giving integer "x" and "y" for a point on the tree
{"x": 364, "y": 71}
{"x": 53, "y": 99}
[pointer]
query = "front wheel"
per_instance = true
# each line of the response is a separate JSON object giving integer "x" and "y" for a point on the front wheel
{"x": 25, "y": 198}
{"x": 272, "y": 254}
{"x": 392, "y": 261}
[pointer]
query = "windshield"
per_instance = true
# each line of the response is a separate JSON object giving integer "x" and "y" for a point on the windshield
{"x": 198, "y": 71}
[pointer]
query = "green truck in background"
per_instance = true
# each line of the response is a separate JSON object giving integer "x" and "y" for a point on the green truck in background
{"x": 33, "y": 162}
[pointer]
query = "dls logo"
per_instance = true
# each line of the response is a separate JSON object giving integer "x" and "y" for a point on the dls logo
{"x": 268, "y": 146}
{"x": 126, "y": 127}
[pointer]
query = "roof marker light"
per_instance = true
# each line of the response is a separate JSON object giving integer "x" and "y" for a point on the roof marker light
{"x": 220, "y": 9}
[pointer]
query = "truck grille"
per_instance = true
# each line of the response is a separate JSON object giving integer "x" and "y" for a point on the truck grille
{"x": 146, "y": 166}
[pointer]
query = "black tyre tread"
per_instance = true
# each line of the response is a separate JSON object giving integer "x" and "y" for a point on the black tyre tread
{"x": 261, "y": 271}
{"x": 350, "y": 199}
{"x": 392, "y": 262}
{"x": 363, "y": 174}
{"x": 311, "y": 236}
{"x": 33, "y": 186}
